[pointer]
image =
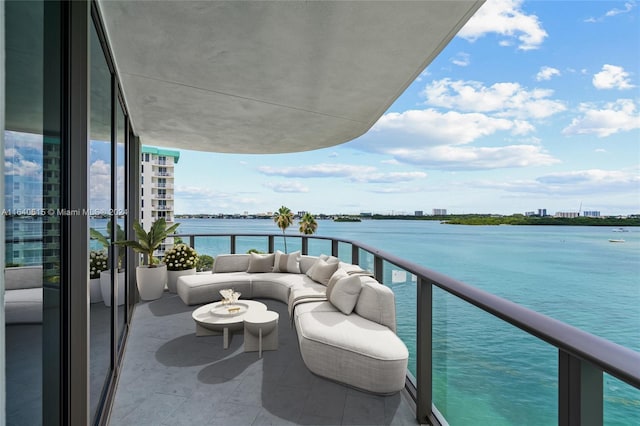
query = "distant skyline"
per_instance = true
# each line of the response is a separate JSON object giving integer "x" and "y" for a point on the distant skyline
{"x": 533, "y": 105}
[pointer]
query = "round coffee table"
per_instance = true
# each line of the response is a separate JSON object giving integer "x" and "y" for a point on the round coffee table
{"x": 218, "y": 318}
{"x": 261, "y": 331}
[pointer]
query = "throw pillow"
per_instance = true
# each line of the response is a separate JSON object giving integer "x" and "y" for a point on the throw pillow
{"x": 323, "y": 270}
{"x": 287, "y": 262}
{"x": 261, "y": 262}
{"x": 326, "y": 258}
{"x": 339, "y": 274}
{"x": 344, "y": 295}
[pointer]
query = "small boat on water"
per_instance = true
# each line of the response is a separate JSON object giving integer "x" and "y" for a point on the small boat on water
{"x": 616, "y": 240}
{"x": 620, "y": 230}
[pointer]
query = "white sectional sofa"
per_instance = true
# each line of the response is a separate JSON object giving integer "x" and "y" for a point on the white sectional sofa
{"x": 23, "y": 295}
{"x": 344, "y": 318}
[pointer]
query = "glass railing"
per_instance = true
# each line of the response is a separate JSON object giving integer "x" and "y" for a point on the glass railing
{"x": 476, "y": 358}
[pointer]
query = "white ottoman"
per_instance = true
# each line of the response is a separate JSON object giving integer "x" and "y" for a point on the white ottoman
{"x": 261, "y": 331}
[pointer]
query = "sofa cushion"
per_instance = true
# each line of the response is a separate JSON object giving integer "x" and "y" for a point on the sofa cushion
{"x": 376, "y": 302}
{"x": 306, "y": 262}
{"x": 195, "y": 289}
{"x": 231, "y": 263}
{"x": 260, "y": 262}
{"x": 340, "y": 273}
{"x": 22, "y": 277}
{"x": 287, "y": 262}
{"x": 323, "y": 270}
{"x": 345, "y": 292}
{"x": 23, "y": 306}
{"x": 324, "y": 257}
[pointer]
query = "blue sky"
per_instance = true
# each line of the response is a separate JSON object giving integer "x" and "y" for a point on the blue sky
{"x": 533, "y": 105}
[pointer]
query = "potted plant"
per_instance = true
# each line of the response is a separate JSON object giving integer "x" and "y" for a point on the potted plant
{"x": 98, "y": 262}
{"x": 150, "y": 277}
{"x": 204, "y": 264}
{"x": 105, "y": 274}
{"x": 180, "y": 260}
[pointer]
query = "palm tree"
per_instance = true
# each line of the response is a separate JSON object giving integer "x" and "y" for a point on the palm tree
{"x": 283, "y": 218}
{"x": 308, "y": 224}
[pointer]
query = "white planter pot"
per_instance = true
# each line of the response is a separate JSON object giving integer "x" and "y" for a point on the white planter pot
{"x": 151, "y": 281}
{"x": 105, "y": 287}
{"x": 94, "y": 290}
{"x": 172, "y": 278}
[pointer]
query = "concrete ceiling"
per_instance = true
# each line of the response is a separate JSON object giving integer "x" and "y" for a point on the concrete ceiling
{"x": 270, "y": 76}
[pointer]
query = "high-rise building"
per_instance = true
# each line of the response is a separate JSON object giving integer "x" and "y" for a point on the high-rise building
{"x": 419, "y": 213}
{"x": 591, "y": 213}
{"x": 439, "y": 212}
{"x": 157, "y": 174}
{"x": 542, "y": 212}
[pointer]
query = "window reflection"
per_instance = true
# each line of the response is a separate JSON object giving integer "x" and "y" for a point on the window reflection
{"x": 101, "y": 232}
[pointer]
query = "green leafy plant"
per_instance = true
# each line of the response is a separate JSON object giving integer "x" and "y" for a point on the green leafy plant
{"x": 204, "y": 263}
{"x": 180, "y": 258}
{"x": 98, "y": 262}
{"x": 148, "y": 242}
{"x": 283, "y": 218}
{"x": 256, "y": 251}
{"x": 308, "y": 224}
{"x": 94, "y": 234}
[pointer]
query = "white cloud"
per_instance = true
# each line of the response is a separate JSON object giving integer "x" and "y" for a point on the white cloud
{"x": 22, "y": 167}
{"x": 628, "y": 7}
{"x": 392, "y": 161}
{"x": 504, "y": 99}
{"x": 580, "y": 182}
{"x": 286, "y": 187}
{"x": 393, "y": 177}
{"x": 317, "y": 170}
{"x": 99, "y": 185}
{"x": 195, "y": 199}
{"x": 546, "y": 73}
{"x": 612, "y": 77}
{"x": 506, "y": 18}
{"x": 333, "y": 154}
{"x": 436, "y": 128}
{"x": 471, "y": 158}
{"x": 461, "y": 59}
{"x": 600, "y": 150}
{"x": 619, "y": 116}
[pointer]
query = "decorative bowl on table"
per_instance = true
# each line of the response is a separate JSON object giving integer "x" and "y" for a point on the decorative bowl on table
{"x": 226, "y": 295}
{"x": 229, "y": 310}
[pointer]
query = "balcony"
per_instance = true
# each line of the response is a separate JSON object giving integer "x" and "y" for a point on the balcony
{"x": 164, "y": 174}
{"x": 162, "y": 208}
{"x": 162, "y": 196}
{"x": 162, "y": 185}
{"x": 567, "y": 380}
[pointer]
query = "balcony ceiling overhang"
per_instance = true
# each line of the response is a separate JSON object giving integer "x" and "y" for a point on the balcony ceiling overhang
{"x": 270, "y": 76}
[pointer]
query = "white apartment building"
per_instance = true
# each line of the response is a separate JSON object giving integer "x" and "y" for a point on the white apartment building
{"x": 157, "y": 175}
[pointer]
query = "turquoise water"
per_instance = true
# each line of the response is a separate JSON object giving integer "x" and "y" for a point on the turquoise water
{"x": 485, "y": 371}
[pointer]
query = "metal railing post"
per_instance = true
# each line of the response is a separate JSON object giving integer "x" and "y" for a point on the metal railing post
{"x": 305, "y": 245}
{"x": 378, "y": 269}
{"x": 424, "y": 338}
{"x": 580, "y": 392}
{"x": 232, "y": 243}
{"x": 355, "y": 254}
{"x": 192, "y": 241}
{"x": 334, "y": 248}
{"x": 271, "y": 244}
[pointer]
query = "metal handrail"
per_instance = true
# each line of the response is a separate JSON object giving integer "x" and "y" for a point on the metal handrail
{"x": 616, "y": 360}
